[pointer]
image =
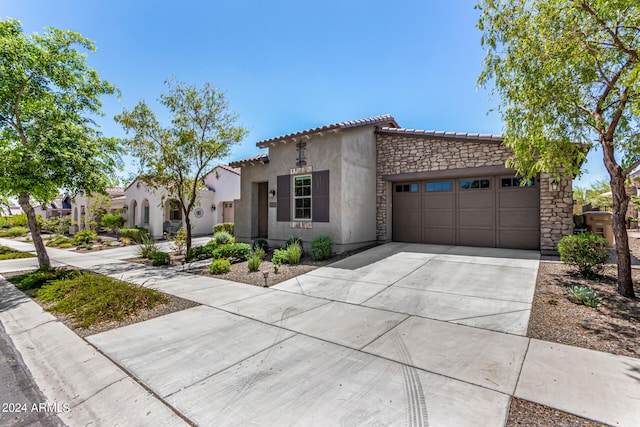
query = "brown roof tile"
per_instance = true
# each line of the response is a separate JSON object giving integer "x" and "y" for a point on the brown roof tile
{"x": 441, "y": 135}
{"x": 260, "y": 158}
{"x": 386, "y": 118}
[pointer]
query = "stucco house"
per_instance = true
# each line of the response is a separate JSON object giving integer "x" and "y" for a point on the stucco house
{"x": 159, "y": 212}
{"x": 58, "y": 208}
{"x": 82, "y": 203}
{"x": 366, "y": 181}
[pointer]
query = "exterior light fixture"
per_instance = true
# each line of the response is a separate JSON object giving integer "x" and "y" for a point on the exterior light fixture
{"x": 213, "y": 207}
{"x": 554, "y": 185}
{"x": 266, "y": 276}
{"x": 138, "y": 185}
{"x": 272, "y": 193}
{"x": 125, "y": 207}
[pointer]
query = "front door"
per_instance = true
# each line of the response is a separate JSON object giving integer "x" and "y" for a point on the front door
{"x": 227, "y": 212}
{"x": 263, "y": 210}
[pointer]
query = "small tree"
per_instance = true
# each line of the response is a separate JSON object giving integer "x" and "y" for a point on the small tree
{"x": 178, "y": 157}
{"x": 48, "y": 141}
{"x": 113, "y": 223}
{"x": 569, "y": 71}
{"x": 97, "y": 206}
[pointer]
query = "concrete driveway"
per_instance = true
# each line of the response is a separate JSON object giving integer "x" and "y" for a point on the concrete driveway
{"x": 400, "y": 334}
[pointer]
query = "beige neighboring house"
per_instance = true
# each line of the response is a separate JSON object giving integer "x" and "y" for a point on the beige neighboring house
{"x": 366, "y": 181}
{"x": 60, "y": 207}
{"x": 81, "y": 204}
{"x": 159, "y": 212}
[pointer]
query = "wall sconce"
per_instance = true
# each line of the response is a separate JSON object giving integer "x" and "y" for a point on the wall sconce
{"x": 272, "y": 193}
{"x": 125, "y": 207}
{"x": 138, "y": 185}
{"x": 213, "y": 208}
{"x": 554, "y": 185}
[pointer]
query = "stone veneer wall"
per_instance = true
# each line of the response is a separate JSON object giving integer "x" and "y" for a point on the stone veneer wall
{"x": 398, "y": 154}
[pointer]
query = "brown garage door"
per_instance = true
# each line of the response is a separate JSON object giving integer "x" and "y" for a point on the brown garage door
{"x": 492, "y": 211}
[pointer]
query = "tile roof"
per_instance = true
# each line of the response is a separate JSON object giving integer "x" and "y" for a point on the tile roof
{"x": 229, "y": 168}
{"x": 386, "y": 118}
{"x": 260, "y": 158}
{"x": 441, "y": 135}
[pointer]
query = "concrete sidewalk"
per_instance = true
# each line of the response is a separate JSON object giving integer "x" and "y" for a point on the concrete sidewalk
{"x": 400, "y": 334}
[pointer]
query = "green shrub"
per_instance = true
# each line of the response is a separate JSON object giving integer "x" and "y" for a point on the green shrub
{"x": 40, "y": 278}
{"x": 198, "y": 253}
{"x": 584, "y": 295}
{"x": 220, "y": 266}
{"x": 588, "y": 252}
{"x": 87, "y": 246}
{"x": 279, "y": 256}
{"x": 260, "y": 243}
{"x": 294, "y": 253}
{"x": 225, "y": 226}
{"x": 254, "y": 262}
{"x": 112, "y": 222}
{"x": 66, "y": 245}
{"x": 84, "y": 236}
{"x": 276, "y": 267}
{"x": 58, "y": 241}
{"x": 17, "y": 221}
{"x": 293, "y": 240}
{"x": 135, "y": 234}
{"x": 321, "y": 248}
{"x": 235, "y": 251}
{"x": 260, "y": 253}
{"x": 222, "y": 237}
{"x": 159, "y": 258}
{"x": 90, "y": 298}
{"x": 147, "y": 247}
{"x": 14, "y": 232}
{"x": 9, "y": 253}
{"x": 179, "y": 243}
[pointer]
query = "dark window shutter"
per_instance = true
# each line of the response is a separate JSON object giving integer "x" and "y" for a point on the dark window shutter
{"x": 284, "y": 198}
{"x": 320, "y": 196}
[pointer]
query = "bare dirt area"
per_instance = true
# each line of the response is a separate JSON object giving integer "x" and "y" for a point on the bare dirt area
{"x": 613, "y": 327}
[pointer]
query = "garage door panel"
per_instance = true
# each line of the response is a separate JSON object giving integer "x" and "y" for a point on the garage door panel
{"x": 407, "y": 202}
{"x": 527, "y": 219}
{"x": 439, "y": 235}
{"x": 475, "y": 199}
{"x": 475, "y": 219}
{"x": 442, "y": 201}
{"x": 519, "y": 239}
{"x": 438, "y": 218}
{"x": 519, "y": 198}
{"x": 475, "y": 237}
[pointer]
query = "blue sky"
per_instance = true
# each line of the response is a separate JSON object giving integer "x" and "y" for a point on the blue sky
{"x": 289, "y": 65}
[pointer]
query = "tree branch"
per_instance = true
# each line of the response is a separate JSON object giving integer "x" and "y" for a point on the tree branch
{"x": 617, "y": 115}
{"x": 631, "y": 52}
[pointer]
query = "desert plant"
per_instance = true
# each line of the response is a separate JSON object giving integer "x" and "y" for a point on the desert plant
{"x": 235, "y": 251}
{"x": 66, "y": 245}
{"x": 134, "y": 234}
{"x": 147, "y": 247}
{"x": 260, "y": 243}
{"x": 279, "y": 256}
{"x": 294, "y": 253}
{"x": 59, "y": 241}
{"x": 87, "y": 246}
{"x": 16, "y": 231}
{"x": 179, "y": 243}
{"x": 584, "y": 295}
{"x": 260, "y": 253}
{"x": 293, "y": 240}
{"x": 220, "y": 266}
{"x": 113, "y": 223}
{"x": 321, "y": 248}
{"x": 9, "y": 253}
{"x": 197, "y": 253}
{"x": 58, "y": 225}
{"x": 159, "y": 258}
{"x": 39, "y": 278}
{"x": 254, "y": 262}
{"x": 225, "y": 226}
{"x": 222, "y": 237}
{"x": 84, "y": 237}
{"x": 276, "y": 267}
{"x": 587, "y": 252}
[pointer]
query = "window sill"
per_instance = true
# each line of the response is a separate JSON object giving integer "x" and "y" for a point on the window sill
{"x": 301, "y": 224}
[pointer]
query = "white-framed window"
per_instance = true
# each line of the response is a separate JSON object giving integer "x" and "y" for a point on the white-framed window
{"x": 302, "y": 197}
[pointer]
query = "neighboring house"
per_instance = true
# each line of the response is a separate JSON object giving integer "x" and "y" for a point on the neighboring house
{"x": 81, "y": 204}
{"x": 158, "y": 212}
{"x": 367, "y": 181}
{"x": 60, "y": 207}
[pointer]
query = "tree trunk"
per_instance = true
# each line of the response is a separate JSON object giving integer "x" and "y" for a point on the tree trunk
{"x": 34, "y": 227}
{"x": 187, "y": 224}
{"x": 620, "y": 204}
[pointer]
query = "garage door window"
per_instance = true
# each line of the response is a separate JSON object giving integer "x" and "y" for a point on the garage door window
{"x": 437, "y": 186}
{"x": 471, "y": 184}
{"x": 407, "y": 188}
{"x": 517, "y": 182}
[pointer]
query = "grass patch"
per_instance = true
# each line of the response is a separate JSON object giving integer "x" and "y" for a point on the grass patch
{"x": 59, "y": 241}
{"x": 39, "y": 278}
{"x": 14, "y": 232}
{"x": 8, "y": 253}
{"x": 91, "y": 298}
